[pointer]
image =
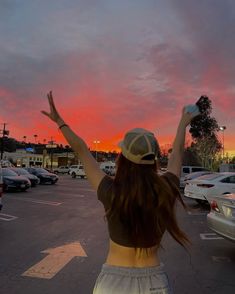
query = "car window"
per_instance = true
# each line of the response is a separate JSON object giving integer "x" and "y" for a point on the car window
{"x": 196, "y": 169}
{"x": 186, "y": 170}
{"x": 21, "y": 171}
{"x": 80, "y": 167}
{"x": 230, "y": 180}
{"x": 8, "y": 172}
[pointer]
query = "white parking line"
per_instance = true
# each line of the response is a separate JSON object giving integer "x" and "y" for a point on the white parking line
{"x": 64, "y": 194}
{"x": 7, "y": 217}
{"x": 36, "y": 201}
{"x": 197, "y": 213}
{"x": 221, "y": 258}
{"x": 210, "y": 236}
{"x": 89, "y": 190}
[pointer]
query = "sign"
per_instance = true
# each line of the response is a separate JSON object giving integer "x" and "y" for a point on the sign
{"x": 51, "y": 146}
{"x": 56, "y": 259}
{"x": 30, "y": 149}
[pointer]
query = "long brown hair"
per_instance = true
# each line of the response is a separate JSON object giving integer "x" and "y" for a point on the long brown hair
{"x": 145, "y": 203}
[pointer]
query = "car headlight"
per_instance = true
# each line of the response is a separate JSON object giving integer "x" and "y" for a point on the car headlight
{"x": 46, "y": 177}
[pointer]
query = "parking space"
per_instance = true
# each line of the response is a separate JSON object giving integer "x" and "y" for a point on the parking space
{"x": 54, "y": 240}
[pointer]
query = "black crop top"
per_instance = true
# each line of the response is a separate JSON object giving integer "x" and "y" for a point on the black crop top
{"x": 117, "y": 231}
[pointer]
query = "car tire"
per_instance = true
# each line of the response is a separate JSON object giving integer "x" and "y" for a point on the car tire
{"x": 73, "y": 175}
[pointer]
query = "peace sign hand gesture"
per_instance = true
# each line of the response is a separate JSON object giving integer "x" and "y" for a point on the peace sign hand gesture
{"x": 54, "y": 114}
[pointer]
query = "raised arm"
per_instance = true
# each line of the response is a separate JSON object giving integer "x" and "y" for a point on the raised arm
{"x": 93, "y": 172}
{"x": 176, "y": 156}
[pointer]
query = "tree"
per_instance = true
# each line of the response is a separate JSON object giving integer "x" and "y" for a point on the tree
{"x": 8, "y": 144}
{"x": 204, "y": 129}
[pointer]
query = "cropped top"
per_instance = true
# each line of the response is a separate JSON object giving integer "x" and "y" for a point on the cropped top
{"x": 117, "y": 230}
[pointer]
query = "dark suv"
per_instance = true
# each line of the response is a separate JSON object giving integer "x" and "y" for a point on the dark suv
{"x": 43, "y": 175}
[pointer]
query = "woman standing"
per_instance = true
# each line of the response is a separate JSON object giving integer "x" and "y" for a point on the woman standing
{"x": 139, "y": 206}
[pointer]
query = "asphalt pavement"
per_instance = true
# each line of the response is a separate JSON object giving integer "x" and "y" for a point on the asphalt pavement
{"x": 53, "y": 239}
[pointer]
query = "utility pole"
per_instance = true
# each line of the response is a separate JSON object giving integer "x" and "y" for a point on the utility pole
{"x": 4, "y": 133}
{"x": 51, "y": 145}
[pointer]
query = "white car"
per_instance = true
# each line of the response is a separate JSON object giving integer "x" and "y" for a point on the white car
{"x": 202, "y": 189}
{"x": 221, "y": 218}
{"x": 108, "y": 167}
{"x": 77, "y": 171}
{"x": 61, "y": 169}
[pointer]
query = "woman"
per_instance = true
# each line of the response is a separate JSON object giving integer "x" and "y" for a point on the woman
{"x": 139, "y": 206}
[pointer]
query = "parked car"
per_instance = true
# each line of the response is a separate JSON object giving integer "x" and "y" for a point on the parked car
{"x": 22, "y": 172}
{"x": 221, "y": 218}
{"x": 193, "y": 176}
{"x": 108, "y": 167}
{"x": 44, "y": 175}
{"x": 12, "y": 181}
{"x": 61, "y": 170}
{"x": 203, "y": 188}
{"x": 77, "y": 171}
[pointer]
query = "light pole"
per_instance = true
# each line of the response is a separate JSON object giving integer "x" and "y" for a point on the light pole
{"x": 96, "y": 142}
{"x": 223, "y": 128}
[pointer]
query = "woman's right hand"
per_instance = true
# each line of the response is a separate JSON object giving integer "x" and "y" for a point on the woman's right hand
{"x": 54, "y": 114}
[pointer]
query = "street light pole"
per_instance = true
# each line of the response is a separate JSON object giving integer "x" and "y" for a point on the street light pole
{"x": 223, "y": 128}
{"x": 96, "y": 142}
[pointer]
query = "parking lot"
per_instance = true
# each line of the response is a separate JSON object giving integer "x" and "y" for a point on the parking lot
{"x": 54, "y": 240}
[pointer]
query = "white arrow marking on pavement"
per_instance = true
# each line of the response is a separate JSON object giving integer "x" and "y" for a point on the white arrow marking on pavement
{"x": 221, "y": 258}
{"x": 58, "y": 257}
{"x": 210, "y": 236}
{"x": 7, "y": 217}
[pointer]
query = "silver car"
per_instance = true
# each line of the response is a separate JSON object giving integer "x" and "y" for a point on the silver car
{"x": 221, "y": 218}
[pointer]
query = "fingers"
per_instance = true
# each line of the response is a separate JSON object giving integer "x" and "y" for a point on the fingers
{"x": 45, "y": 113}
{"x": 51, "y": 102}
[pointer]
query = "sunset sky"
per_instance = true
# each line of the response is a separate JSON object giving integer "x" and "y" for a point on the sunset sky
{"x": 114, "y": 65}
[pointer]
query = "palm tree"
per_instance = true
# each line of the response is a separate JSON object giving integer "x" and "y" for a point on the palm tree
{"x": 35, "y": 137}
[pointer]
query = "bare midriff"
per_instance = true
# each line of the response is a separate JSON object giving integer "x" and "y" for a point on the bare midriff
{"x": 127, "y": 256}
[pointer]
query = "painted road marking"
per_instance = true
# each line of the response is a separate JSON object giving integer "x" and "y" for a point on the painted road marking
{"x": 210, "y": 236}
{"x": 58, "y": 257}
{"x": 221, "y": 258}
{"x": 36, "y": 201}
{"x": 7, "y": 217}
{"x": 66, "y": 194}
{"x": 89, "y": 190}
{"x": 197, "y": 213}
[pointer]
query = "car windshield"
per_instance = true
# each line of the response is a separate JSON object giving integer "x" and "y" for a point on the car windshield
{"x": 41, "y": 171}
{"x": 21, "y": 171}
{"x": 8, "y": 172}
